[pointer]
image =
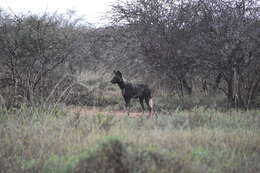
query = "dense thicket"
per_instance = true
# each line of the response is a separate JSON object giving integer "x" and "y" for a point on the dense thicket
{"x": 184, "y": 46}
{"x": 216, "y": 42}
{"x": 32, "y": 50}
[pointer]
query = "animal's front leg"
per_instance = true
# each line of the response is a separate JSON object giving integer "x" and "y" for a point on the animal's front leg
{"x": 127, "y": 105}
{"x": 142, "y": 103}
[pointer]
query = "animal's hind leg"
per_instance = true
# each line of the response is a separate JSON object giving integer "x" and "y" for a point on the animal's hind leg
{"x": 142, "y": 103}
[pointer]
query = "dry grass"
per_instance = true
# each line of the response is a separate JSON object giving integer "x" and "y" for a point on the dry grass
{"x": 55, "y": 140}
{"x": 186, "y": 138}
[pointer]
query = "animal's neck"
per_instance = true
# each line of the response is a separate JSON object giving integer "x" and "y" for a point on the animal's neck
{"x": 121, "y": 85}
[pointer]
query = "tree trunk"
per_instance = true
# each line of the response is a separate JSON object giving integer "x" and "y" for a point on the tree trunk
{"x": 252, "y": 92}
{"x": 230, "y": 92}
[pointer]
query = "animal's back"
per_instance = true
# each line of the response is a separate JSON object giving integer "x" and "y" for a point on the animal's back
{"x": 138, "y": 90}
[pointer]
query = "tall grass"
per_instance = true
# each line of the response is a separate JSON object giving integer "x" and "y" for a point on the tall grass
{"x": 52, "y": 139}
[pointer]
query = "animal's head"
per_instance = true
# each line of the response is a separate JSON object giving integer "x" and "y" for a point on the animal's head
{"x": 117, "y": 77}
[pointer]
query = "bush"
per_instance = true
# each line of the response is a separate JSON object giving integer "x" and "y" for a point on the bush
{"x": 110, "y": 156}
{"x": 34, "y": 50}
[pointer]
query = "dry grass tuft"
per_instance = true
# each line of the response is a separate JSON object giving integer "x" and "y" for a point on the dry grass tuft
{"x": 52, "y": 139}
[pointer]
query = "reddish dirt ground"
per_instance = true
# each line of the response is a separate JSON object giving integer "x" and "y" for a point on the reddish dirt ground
{"x": 93, "y": 110}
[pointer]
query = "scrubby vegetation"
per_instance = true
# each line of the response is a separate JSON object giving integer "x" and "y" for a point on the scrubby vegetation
{"x": 56, "y": 140}
{"x": 200, "y": 58}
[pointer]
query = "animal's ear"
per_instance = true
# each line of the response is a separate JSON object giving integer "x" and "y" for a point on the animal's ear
{"x": 119, "y": 73}
{"x": 114, "y": 72}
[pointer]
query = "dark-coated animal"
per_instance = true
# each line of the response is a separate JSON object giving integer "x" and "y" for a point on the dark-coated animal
{"x": 130, "y": 90}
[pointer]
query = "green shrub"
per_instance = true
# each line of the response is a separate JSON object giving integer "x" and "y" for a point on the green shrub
{"x": 110, "y": 156}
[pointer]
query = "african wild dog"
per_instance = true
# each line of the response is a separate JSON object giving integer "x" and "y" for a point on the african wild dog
{"x": 130, "y": 90}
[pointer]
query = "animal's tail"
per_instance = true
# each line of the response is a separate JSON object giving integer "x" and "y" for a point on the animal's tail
{"x": 151, "y": 104}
